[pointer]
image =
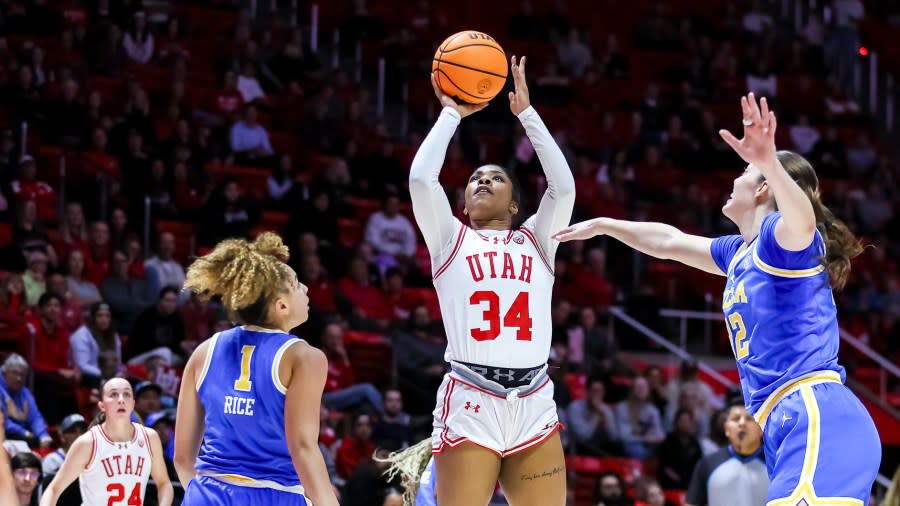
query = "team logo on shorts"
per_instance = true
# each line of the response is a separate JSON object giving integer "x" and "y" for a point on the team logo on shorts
{"x": 518, "y": 239}
{"x": 473, "y": 407}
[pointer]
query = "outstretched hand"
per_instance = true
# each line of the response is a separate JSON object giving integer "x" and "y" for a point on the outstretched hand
{"x": 518, "y": 99}
{"x": 757, "y": 147}
{"x": 580, "y": 231}
{"x": 447, "y": 101}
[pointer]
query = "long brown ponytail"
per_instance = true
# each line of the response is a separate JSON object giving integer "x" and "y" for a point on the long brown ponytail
{"x": 841, "y": 246}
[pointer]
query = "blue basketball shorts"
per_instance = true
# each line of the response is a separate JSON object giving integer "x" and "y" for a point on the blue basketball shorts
{"x": 820, "y": 443}
{"x": 206, "y": 491}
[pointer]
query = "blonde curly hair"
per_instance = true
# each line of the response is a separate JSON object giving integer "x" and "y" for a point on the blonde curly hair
{"x": 246, "y": 275}
{"x": 409, "y": 465}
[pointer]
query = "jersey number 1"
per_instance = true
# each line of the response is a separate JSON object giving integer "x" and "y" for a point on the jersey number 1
{"x": 117, "y": 494}
{"x": 243, "y": 382}
{"x": 517, "y": 316}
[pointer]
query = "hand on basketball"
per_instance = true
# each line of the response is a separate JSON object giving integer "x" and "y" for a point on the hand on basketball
{"x": 580, "y": 231}
{"x": 757, "y": 147}
{"x": 518, "y": 99}
{"x": 447, "y": 101}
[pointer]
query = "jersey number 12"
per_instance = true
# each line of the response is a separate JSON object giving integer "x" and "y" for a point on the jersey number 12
{"x": 516, "y": 316}
{"x": 737, "y": 332}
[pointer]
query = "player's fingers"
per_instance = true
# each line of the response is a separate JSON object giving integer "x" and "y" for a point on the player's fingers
{"x": 512, "y": 98}
{"x": 745, "y": 107}
{"x": 729, "y": 139}
{"x": 764, "y": 110}
{"x": 754, "y": 107}
{"x": 522, "y": 67}
{"x": 773, "y": 123}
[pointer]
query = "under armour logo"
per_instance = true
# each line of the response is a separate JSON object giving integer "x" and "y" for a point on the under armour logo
{"x": 784, "y": 418}
{"x": 496, "y": 240}
{"x": 474, "y": 408}
{"x": 548, "y": 426}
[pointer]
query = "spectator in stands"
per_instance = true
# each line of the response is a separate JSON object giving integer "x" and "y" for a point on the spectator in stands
{"x": 803, "y": 135}
{"x": 574, "y": 55}
{"x": 96, "y": 346}
{"x": 168, "y": 271}
{"x": 29, "y": 187}
{"x": 126, "y": 296}
{"x": 756, "y": 19}
{"x": 27, "y": 237}
{"x": 199, "y": 315}
{"x": 735, "y": 475}
{"x": 35, "y": 277}
{"x": 861, "y": 156}
{"x": 688, "y": 378}
{"x": 716, "y": 439}
{"x": 356, "y": 447}
{"x": 285, "y": 190}
{"x": 656, "y": 379}
{"x": 72, "y": 313}
{"x": 73, "y": 231}
{"x": 24, "y": 420}
{"x": 248, "y": 85}
{"x": 147, "y": 400}
{"x": 342, "y": 392}
{"x": 66, "y": 117}
{"x": 249, "y": 140}
{"x": 119, "y": 230}
{"x": 610, "y": 490}
{"x": 419, "y": 354}
{"x": 829, "y": 155}
{"x": 230, "y": 213}
{"x": 651, "y": 494}
{"x": 70, "y": 428}
{"x": 638, "y": 420}
{"x": 229, "y": 101}
{"x": 393, "y": 424}
{"x": 83, "y": 291}
{"x": 110, "y": 58}
{"x": 98, "y": 165}
{"x": 690, "y": 398}
{"x": 138, "y": 41}
{"x": 159, "y": 330}
{"x": 319, "y": 286}
{"x": 12, "y": 307}
{"x": 26, "y": 468}
{"x": 99, "y": 253}
{"x": 362, "y": 301}
{"x": 368, "y": 481}
{"x": 400, "y": 298}
{"x": 843, "y": 39}
{"x": 391, "y": 234}
{"x": 593, "y": 423}
{"x": 679, "y": 452}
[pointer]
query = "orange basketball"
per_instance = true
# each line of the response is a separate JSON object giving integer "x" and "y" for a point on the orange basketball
{"x": 470, "y": 66}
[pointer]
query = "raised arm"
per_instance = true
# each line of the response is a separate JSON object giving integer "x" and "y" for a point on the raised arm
{"x": 655, "y": 239}
{"x": 430, "y": 205}
{"x": 797, "y": 226}
{"x": 307, "y": 369}
{"x": 555, "y": 209}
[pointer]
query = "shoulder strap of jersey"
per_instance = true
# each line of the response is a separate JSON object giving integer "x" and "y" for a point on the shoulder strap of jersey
{"x": 93, "y": 433}
{"x": 460, "y": 235}
{"x": 208, "y": 359}
{"x": 276, "y": 364}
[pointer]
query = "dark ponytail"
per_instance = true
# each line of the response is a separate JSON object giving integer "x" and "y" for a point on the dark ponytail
{"x": 99, "y": 419}
{"x": 841, "y": 246}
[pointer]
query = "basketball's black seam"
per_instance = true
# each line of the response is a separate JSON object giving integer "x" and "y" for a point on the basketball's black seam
{"x": 474, "y": 45}
{"x": 469, "y": 68}
{"x": 456, "y": 85}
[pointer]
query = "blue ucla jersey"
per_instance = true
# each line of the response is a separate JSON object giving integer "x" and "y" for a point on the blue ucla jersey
{"x": 779, "y": 311}
{"x": 243, "y": 401}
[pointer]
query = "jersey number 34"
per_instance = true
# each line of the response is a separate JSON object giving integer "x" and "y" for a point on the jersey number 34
{"x": 516, "y": 316}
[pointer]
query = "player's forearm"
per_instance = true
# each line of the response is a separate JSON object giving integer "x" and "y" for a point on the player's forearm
{"x": 430, "y": 205}
{"x": 796, "y": 209}
{"x": 185, "y": 470}
{"x": 310, "y": 466}
{"x": 165, "y": 494}
{"x": 650, "y": 238}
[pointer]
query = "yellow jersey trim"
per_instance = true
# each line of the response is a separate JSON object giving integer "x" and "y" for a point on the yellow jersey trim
{"x": 786, "y": 273}
{"x": 246, "y": 481}
{"x": 790, "y": 387}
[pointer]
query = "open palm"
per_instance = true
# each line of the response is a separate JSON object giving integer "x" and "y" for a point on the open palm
{"x": 757, "y": 147}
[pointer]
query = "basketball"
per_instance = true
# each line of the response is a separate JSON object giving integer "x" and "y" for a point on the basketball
{"x": 470, "y": 66}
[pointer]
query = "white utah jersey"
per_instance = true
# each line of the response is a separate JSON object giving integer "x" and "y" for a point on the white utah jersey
{"x": 118, "y": 471}
{"x": 494, "y": 289}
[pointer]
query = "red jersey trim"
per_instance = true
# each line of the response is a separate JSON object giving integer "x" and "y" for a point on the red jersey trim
{"x": 527, "y": 233}
{"x": 93, "y": 449}
{"x": 459, "y": 240}
{"x": 466, "y": 383}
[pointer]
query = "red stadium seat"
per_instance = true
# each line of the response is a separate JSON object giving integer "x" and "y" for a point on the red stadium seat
{"x": 676, "y": 497}
{"x": 5, "y": 234}
{"x": 350, "y": 232}
{"x": 372, "y": 361}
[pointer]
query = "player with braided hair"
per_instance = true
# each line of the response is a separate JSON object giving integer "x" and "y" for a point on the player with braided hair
{"x": 248, "y": 416}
